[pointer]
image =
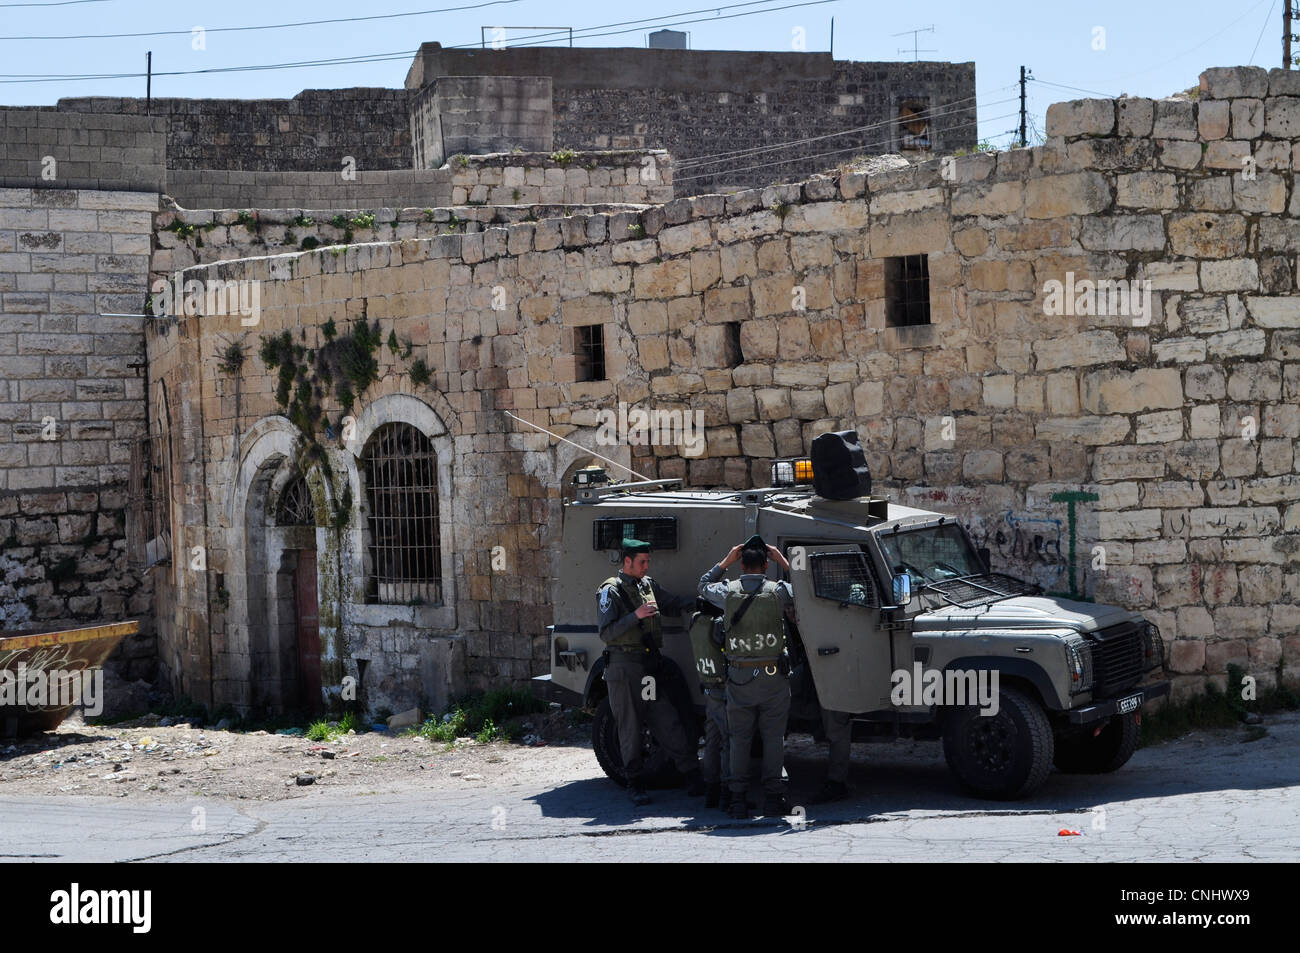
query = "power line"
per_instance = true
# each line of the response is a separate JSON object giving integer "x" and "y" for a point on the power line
{"x": 856, "y": 148}
{"x": 55, "y": 3}
{"x": 1090, "y": 92}
{"x": 694, "y": 162}
{"x": 1267, "y": 17}
{"x": 583, "y": 33}
{"x": 268, "y": 26}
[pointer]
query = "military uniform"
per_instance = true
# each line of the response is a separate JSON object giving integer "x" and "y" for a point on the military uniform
{"x": 758, "y": 685}
{"x": 632, "y": 647}
{"x": 838, "y": 726}
{"x": 711, "y": 666}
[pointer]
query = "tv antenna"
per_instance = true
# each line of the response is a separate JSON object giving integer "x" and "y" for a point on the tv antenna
{"x": 916, "y": 52}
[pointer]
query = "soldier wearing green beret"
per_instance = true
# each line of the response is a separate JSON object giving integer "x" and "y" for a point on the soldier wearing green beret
{"x": 629, "y": 607}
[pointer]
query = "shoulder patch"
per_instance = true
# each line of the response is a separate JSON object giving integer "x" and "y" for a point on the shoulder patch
{"x": 605, "y": 595}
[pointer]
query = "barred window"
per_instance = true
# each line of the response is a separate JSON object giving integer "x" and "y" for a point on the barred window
{"x": 659, "y": 531}
{"x": 405, "y": 555}
{"x": 907, "y": 290}
{"x": 295, "y": 507}
{"x": 589, "y": 352}
{"x": 843, "y": 577}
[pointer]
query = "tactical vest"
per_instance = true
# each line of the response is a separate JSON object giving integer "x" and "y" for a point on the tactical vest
{"x": 760, "y": 634}
{"x": 633, "y": 598}
{"x": 709, "y": 660}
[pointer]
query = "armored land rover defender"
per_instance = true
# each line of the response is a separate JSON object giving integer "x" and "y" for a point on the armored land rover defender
{"x": 884, "y": 595}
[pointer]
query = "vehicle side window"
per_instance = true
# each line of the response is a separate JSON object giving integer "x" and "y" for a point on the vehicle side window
{"x": 844, "y": 578}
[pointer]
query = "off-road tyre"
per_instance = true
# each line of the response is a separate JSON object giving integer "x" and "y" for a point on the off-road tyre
{"x": 1004, "y": 756}
{"x": 658, "y": 770}
{"x": 1109, "y": 750}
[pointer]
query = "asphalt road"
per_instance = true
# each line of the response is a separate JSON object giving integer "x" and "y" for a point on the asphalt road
{"x": 1206, "y": 797}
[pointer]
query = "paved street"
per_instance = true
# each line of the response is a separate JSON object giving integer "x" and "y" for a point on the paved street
{"x": 1206, "y": 797}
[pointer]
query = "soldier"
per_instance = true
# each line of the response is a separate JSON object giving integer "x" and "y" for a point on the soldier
{"x": 838, "y": 726}
{"x": 629, "y": 611}
{"x": 711, "y": 664}
{"x": 758, "y": 685}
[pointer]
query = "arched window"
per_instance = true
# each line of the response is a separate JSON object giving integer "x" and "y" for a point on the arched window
{"x": 404, "y": 567}
{"x": 295, "y": 507}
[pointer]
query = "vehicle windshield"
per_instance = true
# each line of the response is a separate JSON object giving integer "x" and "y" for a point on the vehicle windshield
{"x": 930, "y": 555}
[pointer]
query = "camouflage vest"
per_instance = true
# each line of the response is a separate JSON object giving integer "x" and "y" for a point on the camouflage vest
{"x": 635, "y": 597}
{"x": 760, "y": 634}
{"x": 709, "y": 660}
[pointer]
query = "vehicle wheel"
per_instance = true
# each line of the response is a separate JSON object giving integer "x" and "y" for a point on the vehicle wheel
{"x": 604, "y": 741}
{"x": 1106, "y": 751}
{"x": 657, "y": 769}
{"x": 1003, "y": 756}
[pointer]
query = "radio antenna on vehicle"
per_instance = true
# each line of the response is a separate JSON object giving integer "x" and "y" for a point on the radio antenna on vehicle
{"x": 578, "y": 445}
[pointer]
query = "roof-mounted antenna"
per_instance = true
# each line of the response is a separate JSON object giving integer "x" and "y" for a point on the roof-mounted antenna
{"x": 578, "y": 445}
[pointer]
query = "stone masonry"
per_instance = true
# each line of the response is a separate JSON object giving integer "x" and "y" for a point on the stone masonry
{"x": 1171, "y": 434}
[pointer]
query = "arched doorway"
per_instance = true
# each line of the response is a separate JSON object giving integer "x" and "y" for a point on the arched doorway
{"x": 280, "y": 563}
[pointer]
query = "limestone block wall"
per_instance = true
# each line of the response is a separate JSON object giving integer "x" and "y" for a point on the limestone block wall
{"x": 44, "y": 149}
{"x": 311, "y": 132}
{"x": 1146, "y": 459}
{"x": 71, "y": 405}
{"x": 580, "y": 178}
{"x": 705, "y": 104}
{"x": 478, "y": 114}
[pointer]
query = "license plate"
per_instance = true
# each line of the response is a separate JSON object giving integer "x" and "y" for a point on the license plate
{"x": 1129, "y": 704}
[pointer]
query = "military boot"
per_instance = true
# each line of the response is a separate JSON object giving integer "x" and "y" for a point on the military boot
{"x": 738, "y": 808}
{"x": 712, "y": 794}
{"x": 636, "y": 792}
{"x": 724, "y": 799}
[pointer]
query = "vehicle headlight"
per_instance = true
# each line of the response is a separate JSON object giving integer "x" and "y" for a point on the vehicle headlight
{"x": 1153, "y": 647}
{"x": 1078, "y": 659}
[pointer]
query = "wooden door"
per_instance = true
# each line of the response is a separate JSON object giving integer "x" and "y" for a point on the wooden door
{"x": 307, "y": 610}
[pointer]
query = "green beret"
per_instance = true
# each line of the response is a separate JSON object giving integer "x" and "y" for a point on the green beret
{"x": 756, "y": 541}
{"x": 634, "y": 546}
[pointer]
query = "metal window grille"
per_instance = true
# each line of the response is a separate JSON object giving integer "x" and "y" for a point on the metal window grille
{"x": 907, "y": 290}
{"x": 589, "y": 351}
{"x": 405, "y": 552}
{"x": 148, "y": 525}
{"x": 843, "y": 577}
{"x": 659, "y": 531}
{"x": 295, "y": 507}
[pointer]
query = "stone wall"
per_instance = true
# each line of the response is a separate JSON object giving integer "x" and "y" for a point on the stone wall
{"x": 50, "y": 150}
{"x": 513, "y": 179}
{"x": 472, "y": 115}
{"x": 312, "y": 132}
{"x": 698, "y": 104}
{"x": 71, "y": 405}
{"x": 1147, "y": 460}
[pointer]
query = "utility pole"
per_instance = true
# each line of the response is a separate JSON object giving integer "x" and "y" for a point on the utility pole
{"x": 148, "y": 82}
{"x": 1286, "y": 34}
{"x": 1025, "y": 75}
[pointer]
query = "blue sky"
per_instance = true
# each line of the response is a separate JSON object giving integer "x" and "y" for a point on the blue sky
{"x": 1139, "y": 48}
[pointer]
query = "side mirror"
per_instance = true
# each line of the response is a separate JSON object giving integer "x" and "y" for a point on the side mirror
{"x": 902, "y": 590}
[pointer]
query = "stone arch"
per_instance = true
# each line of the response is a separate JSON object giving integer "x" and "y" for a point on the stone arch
{"x": 408, "y": 409}
{"x": 265, "y": 668}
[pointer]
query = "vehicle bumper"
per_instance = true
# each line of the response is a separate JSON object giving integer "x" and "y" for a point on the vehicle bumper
{"x": 544, "y": 688}
{"x": 1138, "y": 697}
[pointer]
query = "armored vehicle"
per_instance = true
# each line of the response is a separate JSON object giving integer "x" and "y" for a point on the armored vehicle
{"x": 886, "y": 597}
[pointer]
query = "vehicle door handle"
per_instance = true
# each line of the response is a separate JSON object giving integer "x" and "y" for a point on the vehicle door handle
{"x": 829, "y": 651}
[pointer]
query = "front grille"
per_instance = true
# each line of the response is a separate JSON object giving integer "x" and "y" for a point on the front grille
{"x": 1118, "y": 654}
